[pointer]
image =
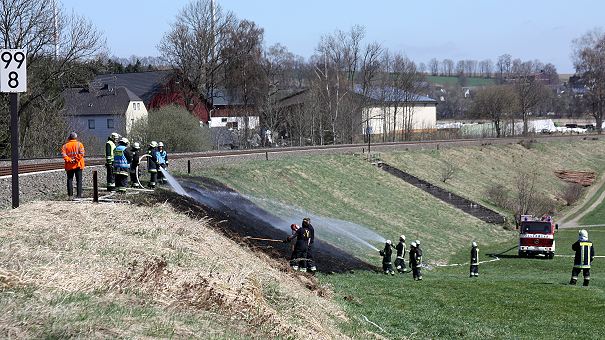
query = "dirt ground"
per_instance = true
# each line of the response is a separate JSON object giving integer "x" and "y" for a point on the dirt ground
{"x": 239, "y": 224}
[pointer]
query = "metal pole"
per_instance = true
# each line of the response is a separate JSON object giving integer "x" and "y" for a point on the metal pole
{"x": 266, "y": 155}
{"x": 14, "y": 106}
{"x": 95, "y": 187}
{"x": 189, "y": 166}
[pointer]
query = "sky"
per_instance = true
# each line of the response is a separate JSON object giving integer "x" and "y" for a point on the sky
{"x": 454, "y": 29}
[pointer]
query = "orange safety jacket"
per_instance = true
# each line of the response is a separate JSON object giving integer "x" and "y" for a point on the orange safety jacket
{"x": 73, "y": 155}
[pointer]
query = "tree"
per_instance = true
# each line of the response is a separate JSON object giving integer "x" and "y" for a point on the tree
{"x": 59, "y": 48}
{"x": 589, "y": 61}
{"x": 434, "y": 66}
{"x": 447, "y": 66}
{"x": 495, "y": 103}
{"x": 530, "y": 92}
{"x": 503, "y": 66}
{"x": 195, "y": 43}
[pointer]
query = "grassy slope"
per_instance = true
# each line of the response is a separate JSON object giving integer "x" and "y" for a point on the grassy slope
{"x": 596, "y": 216}
{"x": 348, "y": 188}
{"x": 513, "y": 298}
{"x": 479, "y": 167}
{"x": 472, "y": 81}
{"x": 89, "y": 271}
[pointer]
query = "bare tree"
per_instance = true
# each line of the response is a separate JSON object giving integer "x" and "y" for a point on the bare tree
{"x": 58, "y": 47}
{"x": 447, "y": 171}
{"x": 589, "y": 61}
{"x": 495, "y": 103}
{"x": 530, "y": 92}
{"x": 434, "y": 66}
{"x": 503, "y": 66}
{"x": 447, "y": 66}
{"x": 194, "y": 45}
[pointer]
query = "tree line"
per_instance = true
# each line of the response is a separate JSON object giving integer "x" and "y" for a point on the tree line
{"x": 213, "y": 52}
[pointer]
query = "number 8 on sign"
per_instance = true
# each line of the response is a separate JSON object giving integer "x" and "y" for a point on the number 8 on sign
{"x": 13, "y": 71}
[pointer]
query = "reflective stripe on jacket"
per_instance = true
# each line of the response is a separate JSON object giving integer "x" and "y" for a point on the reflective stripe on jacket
{"x": 584, "y": 254}
{"x": 119, "y": 158}
{"x": 110, "y": 146}
{"x": 73, "y": 155}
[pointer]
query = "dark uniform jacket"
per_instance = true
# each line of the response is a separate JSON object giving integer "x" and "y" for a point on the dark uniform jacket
{"x": 152, "y": 161}
{"x": 386, "y": 254}
{"x": 474, "y": 255}
{"x": 309, "y": 227}
{"x": 415, "y": 257}
{"x": 584, "y": 254}
{"x": 302, "y": 236}
{"x": 400, "y": 249}
{"x": 135, "y": 159}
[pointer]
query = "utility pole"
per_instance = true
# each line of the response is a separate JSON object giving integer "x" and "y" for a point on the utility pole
{"x": 56, "y": 37}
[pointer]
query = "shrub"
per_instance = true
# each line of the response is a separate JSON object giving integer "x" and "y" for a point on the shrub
{"x": 572, "y": 193}
{"x": 176, "y": 127}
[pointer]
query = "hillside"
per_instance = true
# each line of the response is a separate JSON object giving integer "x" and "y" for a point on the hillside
{"x": 451, "y": 81}
{"x": 112, "y": 270}
{"x": 479, "y": 168}
{"x": 350, "y": 189}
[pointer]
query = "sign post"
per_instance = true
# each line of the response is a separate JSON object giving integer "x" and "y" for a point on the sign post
{"x": 13, "y": 79}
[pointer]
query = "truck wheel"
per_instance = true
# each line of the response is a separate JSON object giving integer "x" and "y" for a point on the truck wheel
{"x": 522, "y": 254}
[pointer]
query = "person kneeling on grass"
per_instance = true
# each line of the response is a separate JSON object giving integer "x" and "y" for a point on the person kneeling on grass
{"x": 386, "y": 253}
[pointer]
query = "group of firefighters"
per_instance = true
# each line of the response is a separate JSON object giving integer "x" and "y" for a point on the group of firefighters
{"x": 122, "y": 162}
{"x": 415, "y": 258}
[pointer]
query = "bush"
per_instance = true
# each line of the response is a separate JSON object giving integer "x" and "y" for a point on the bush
{"x": 572, "y": 193}
{"x": 499, "y": 196}
{"x": 176, "y": 127}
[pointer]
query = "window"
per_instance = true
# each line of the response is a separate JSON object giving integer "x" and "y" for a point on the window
{"x": 223, "y": 120}
{"x": 138, "y": 106}
{"x": 110, "y": 123}
{"x": 91, "y": 124}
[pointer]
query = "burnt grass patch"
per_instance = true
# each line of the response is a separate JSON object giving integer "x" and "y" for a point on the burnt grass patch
{"x": 228, "y": 218}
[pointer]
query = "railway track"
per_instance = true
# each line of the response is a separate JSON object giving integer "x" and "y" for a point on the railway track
{"x": 57, "y": 163}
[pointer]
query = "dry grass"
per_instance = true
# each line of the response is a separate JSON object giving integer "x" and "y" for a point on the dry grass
{"x": 77, "y": 270}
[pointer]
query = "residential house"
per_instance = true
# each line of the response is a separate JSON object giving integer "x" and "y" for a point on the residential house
{"x": 95, "y": 114}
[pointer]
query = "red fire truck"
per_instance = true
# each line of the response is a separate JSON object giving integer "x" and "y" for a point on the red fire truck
{"x": 537, "y": 236}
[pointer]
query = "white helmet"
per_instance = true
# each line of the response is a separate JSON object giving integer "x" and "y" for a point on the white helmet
{"x": 153, "y": 144}
{"x": 124, "y": 140}
{"x": 402, "y": 237}
{"x": 161, "y": 144}
{"x": 417, "y": 242}
{"x": 115, "y": 136}
{"x": 474, "y": 244}
{"x": 413, "y": 245}
{"x": 583, "y": 234}
{"x": 136, "y": 145}
{"x": 388, "y": 242}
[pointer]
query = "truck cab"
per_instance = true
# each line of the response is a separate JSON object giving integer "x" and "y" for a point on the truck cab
{"x": 537, "y": 236}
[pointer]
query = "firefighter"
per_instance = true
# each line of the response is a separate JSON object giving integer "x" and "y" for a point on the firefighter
{"x": 399, "y": 261}
{"x": 386, "y": 253}
{"x": 110, "y": 146}
{"x": 162, "y": 162}
{"x": 310, "y": 261}
{"x": 152, "y": 167}
{"x": 73, "y": 155}
{"x": 122, "y": 157}
{"x": 134, "y": 165}
{"x": 416, "y": 261}
{"x": 474, "y": 260}
{"x": 583, "y": 259}
{"x": 299, "y": 255}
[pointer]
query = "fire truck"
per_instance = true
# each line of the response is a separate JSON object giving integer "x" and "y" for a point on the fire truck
{"x": 537, "y": 236}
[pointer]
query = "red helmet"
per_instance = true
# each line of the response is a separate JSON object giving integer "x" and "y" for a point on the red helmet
{"x": 294, "y": 227}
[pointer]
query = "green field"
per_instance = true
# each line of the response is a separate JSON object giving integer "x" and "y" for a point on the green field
{"x": 451, "y": 81}
{"x": 512, "y": 298}
{"x": 477, "y": 168}
{"x": 349, "y": 188}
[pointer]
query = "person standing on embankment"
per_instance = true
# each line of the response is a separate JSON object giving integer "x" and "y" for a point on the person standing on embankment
{"x": 73, "y": 154}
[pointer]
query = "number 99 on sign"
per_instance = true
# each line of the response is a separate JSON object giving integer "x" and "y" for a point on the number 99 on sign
{"x": 13, "y": 70}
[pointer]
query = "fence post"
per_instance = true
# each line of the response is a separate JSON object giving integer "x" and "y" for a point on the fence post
{"x": 95, "y": 187}
{"x": 188, "y": 166}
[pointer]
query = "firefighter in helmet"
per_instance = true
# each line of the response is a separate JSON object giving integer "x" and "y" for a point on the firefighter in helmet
{"x": 386, "y": 253}
{"x": 110, "y": 146}
{"x": 152, "y": 162}
{"x": 122, "y": 157}
{"x": 134, "y": 165}
{"x": 583, "y": 258}
{"x": 310, "y": 261}
{"x": 474, "y": 260}
{"x": 299, "y": 255}
{"x": 416, "y": 261}
{"x": 399, "y": 261}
